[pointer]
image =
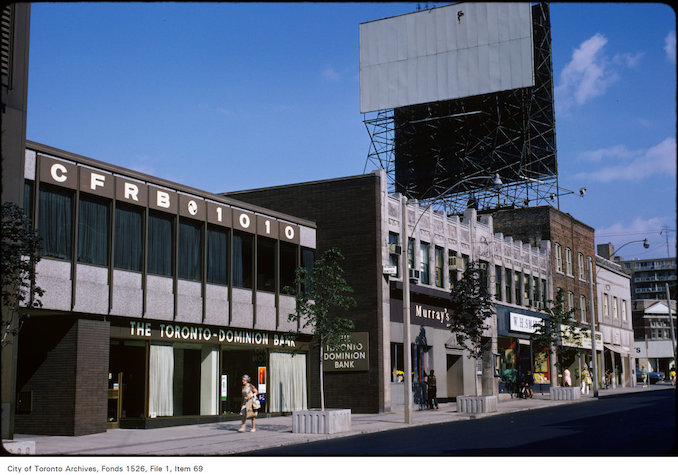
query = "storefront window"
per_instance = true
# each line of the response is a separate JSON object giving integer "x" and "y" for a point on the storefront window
{"x": 93, "y": 224}
{"x": 190, "y": 250}
{"x": 127, "y": 363}
{"x": 129, "y": 238}
{"x": 266, "y": 264}
{"x": 55, "y": 221}
{"x": 287, "y": 382}
{"x": 242, "y": 260}
{"x": 160, "y": 244}
{"x": 217, "y": 255}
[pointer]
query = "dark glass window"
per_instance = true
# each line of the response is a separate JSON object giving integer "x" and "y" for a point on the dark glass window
{"x": 424, "y": 249}
{"x": 288, "y": 265}
{"x": 190, "y": 250}
{"x": 242, "y": 260}
{"x": 497, "y": 282}
{"x": 410, "y": 253}
{"x": 519, "y": 293}
{"x": 452, "y": 270}
{"x": 55, "y": 222}
{"x": 394, "y": 259}
{"x": 307, "y": 262}
{"x": 129, "y": 238}
{"x": 217, "y": 256}
{"x": 160, "y": 244}
{"x": 439, "y": 253}
{"x": 508, "y": 280}
{"x": 93, "y": 231}
{"x": 265, "y": 264}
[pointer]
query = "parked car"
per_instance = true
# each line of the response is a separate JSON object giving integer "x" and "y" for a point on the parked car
{"x": 652, "y": 376}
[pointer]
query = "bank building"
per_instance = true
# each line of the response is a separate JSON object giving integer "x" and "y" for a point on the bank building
{"x": 158, "y": 298}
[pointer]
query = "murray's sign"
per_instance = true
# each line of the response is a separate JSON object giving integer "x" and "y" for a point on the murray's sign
{"x": 351, "y": 355}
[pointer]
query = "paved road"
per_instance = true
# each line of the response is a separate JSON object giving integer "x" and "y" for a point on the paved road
{"x": 628, "y": 424}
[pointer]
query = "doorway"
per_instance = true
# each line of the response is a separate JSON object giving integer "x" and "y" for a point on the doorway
{"x": 455, "y": 376}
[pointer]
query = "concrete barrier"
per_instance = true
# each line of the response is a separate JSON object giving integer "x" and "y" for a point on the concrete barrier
{"x": 315, "y": 421}
{"x": 476, "y": 404}
{"x": 23, "y": 447}
{"x": 567, "y": 393}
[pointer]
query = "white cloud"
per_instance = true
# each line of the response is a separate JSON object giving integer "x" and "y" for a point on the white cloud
{"x": 670, "y": 46}
{"x": 590, "y": 72}
{"x": 631, "y": 165}
{"x": 330, "y": 74}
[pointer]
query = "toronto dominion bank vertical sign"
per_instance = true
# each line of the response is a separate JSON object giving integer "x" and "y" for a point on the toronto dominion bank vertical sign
{"x": 351, "y": 355}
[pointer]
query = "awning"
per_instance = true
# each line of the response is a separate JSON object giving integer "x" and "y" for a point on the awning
{"x": 618, "y": 349}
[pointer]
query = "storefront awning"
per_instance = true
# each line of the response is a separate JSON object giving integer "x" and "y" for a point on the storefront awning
{"x": 618, "y": 349}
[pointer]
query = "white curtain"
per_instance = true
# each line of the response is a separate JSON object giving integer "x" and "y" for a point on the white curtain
{"x": 287, "y": 390}
{"x": 161, "y": 376}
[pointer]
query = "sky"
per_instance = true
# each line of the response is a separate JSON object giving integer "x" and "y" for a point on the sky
{"x": 233, "y": 96}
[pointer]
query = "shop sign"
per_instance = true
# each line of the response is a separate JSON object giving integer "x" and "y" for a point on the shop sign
{"x": 570, "y": 338}
{"x": 351, "y": 355}
{"x": 522, "y": 323}
{"x": 202, "y": 334}
{"x": 436, "y": 315}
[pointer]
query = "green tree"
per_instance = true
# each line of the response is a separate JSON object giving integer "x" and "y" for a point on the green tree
{"x": 555, "y": 328}
{"x": 20, "y": 248}
{"x": 471, "y": 305}
{"x": 325, "y": 297}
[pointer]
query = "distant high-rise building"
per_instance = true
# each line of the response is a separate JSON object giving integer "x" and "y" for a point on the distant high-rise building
{"x": 649, "y": 276}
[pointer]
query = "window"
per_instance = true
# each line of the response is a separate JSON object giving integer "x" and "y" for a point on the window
{"x": 666, "y": 334}
{"x": 439, "y": 253}
{"x": 410, "y": 253}
{"x": 615, "y": 308}
{"x": 497, "y": 282}
{"x": 452, "y": 270}
{"x": 55, "y": 222}
{"x": 160, "y": 244}
{"x": 508, "y": 281}
{"x": 544, "y": 295}
{"x": 28, "y": 199}
{"x": 265, "y": 264}
{"x": 606, "y": 309}
{"x": 568, "y": 261}
{"x": 559, "y": 258}
{"x": 570, "y": 300}
{"x": 307, "y": 262}
{"x": 190, "y": 250}
{"x": 580, "y": 264}
{"x": 243, "y": 259}
{"x": 394, "y": 259}
{"x": 623, "y": 310}
{"x": 423, "y": 263}
{"x": 288, "y": 266}
{"x": 129, "y": 238}
{"x": 217, "y": 255}
{"x": 484, "y": 275}
{"x": 653, "y": 334}
{"x": 582, "y": 307}
{"x": 93, "y": 231}
{"x": 519, "y": 294}
{"x": 526, "y": 290}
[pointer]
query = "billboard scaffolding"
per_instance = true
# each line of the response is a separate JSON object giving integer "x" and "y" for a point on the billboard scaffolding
{"x": 447, "y": 151}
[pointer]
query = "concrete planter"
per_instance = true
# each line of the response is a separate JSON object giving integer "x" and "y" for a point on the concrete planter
{"x": 316, "y": 421}
{"x": 565, "y": 393}
{"x": 23, "y": 447}
{"x": 476, "y": 404}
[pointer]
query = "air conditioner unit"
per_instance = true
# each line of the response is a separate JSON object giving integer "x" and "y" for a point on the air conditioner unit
{"x": 456, "y": 263}
{"x": 482, "y": 265}
{"x": 414, "y": 275}
{"x": 395, "y": 249}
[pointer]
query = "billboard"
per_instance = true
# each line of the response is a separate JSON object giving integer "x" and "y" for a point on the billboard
{"x": 460, "y": 50}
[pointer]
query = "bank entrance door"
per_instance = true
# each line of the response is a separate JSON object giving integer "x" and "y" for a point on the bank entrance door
{"x": 114, "y": 400}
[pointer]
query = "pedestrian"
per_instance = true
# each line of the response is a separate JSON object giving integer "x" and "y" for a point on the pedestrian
{"x": 586, "y": 380}
{"x": 432, "y": 391}
{"x": 643, "y": 371}
{"x": 247, "y": 409}
{"x": 567, "y": 379}
{"x": 529, "y": 381}
{"x": 672, "y": 374}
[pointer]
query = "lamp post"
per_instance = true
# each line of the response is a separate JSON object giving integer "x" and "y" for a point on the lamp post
{"x": 646, "y": 244}
{"x": 593, "y": 332}
{"x": 407, "y": 351}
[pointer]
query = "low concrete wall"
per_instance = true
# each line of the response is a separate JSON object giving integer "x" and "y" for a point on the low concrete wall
{"x": 565, "y": 393}
{"x": 315, "y": 421}
{"x": 476, "y": 404}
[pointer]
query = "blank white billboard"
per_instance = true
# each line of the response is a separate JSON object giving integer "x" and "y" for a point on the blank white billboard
{"x": 445, "y": 53}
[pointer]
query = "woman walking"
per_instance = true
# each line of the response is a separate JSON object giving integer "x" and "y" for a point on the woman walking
{"x": 247, "y": 410}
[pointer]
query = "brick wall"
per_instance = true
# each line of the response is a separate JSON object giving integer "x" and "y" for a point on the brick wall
{"x": 347, "y": 214}
{"x": 63, "y": 363}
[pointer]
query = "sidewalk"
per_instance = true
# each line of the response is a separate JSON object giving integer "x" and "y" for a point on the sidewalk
{"x": 222, "y": 438}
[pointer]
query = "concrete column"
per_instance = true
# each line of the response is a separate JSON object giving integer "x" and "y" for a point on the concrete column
{"x": 209, "y": 377}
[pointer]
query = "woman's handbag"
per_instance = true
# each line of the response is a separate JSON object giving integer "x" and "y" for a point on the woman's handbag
{"x": 249, "y": 410}
{"x": 256, "y": 404}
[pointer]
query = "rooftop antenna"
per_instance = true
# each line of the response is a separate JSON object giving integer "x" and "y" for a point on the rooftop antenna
{"x": 666, "y": 231}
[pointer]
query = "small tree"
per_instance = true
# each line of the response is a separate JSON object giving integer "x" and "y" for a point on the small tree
{"x": 558, "y": 326}
{"x": 471, "y": 305}
{"x": 325, "y": 296}
{"x": 20, "y": 246}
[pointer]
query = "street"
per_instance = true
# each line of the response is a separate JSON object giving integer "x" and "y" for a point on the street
{"x": 638, "y": 424}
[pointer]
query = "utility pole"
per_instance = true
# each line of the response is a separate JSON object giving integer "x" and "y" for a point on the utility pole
{"x": 407, "y": 353}
{"x": 673, "y": 332}
{"x": 593, "y": 332}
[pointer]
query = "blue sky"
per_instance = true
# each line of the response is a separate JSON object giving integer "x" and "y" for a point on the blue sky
{"x": 235, "y": 96}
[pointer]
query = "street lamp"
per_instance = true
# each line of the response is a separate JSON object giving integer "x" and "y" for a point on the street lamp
{"x": 646, "y": 244}
{"x": 407, "y": 351}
